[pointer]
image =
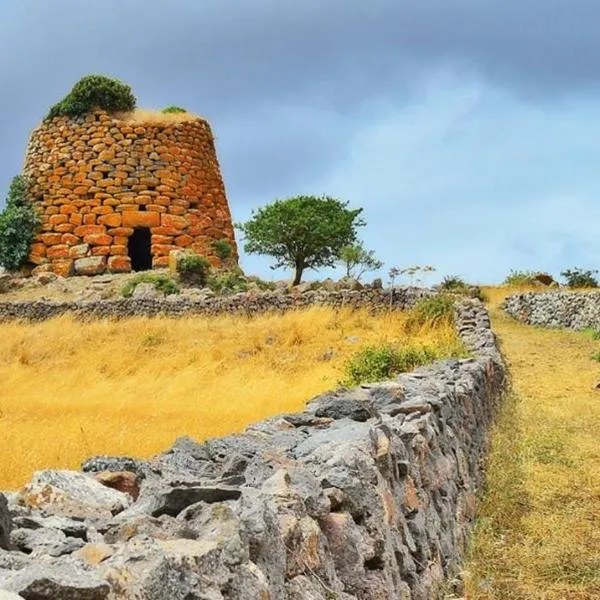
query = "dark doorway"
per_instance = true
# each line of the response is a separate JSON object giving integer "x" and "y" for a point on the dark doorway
{"x": 139, "y": 249}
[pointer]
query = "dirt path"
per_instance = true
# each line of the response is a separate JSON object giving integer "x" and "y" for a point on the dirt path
{"x": 539, "y": 532}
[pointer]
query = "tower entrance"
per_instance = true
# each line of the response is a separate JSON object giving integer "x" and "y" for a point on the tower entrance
{"x": 139, "y": 249}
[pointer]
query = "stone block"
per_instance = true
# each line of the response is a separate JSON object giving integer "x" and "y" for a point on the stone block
{"x": 98, "y": 239}
{"x": 119, "y": 264}
{"x": 92, "y": 265}
{"x": 141, "y": 219}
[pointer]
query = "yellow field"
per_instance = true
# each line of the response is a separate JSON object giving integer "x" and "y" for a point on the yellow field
{"x": 538, "y": 535}
{"x": 73, "y": 390}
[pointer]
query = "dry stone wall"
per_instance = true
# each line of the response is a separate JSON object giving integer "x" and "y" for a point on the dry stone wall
{"x": 571, "y": 310}
{"x": 368, "y": 494}
{"x": 97, "y": 180}
{"x": 243, "y": 303}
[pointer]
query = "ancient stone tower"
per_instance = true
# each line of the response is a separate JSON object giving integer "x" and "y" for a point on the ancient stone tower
{"x": 119, "y": 195}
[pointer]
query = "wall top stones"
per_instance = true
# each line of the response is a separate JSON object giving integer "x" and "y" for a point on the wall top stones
{"x": 98, "y": 179}
{"x": 369, "y": 493}
{"x": 572, "y": 310}
{"x": 245, "y": 303}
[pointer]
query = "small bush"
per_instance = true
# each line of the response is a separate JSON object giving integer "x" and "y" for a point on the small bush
{"x": 525, "y": 278}
{"x": 593, "y": 333}
{"x": 228, "y": 282}
{"x": 193, "y": 269}
{"x": 173, "y": 110}
{"x": 378, "y": 363}
{"x": 94, "y": 91}
{"x": 163, "y": 283}
{"x": 580, "y": 278}
{"x": 223, "y": 249}
{"x": 19, "y": 223}
{"x": 453, "y": 283}
{"x": 435, "y": 310}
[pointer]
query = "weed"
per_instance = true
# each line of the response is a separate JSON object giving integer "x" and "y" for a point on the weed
{"x": 193, "y": 269}
{"x": 378, "y": 363}
{"x": 163, "y": 283}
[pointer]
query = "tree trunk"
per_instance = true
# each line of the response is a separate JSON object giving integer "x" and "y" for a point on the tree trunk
{"x": 298, "y": 274}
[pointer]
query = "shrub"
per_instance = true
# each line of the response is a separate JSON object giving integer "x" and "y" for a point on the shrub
{"x": 435, "y": 310}
{"x": 378, "y": 363}
{"x": 163, "y": 283}
{"x": 193, "y": 269}
{"x": 173, "y": 110}
{"x": 580, "y": 278}
{"x": 228, "y": 282}
{"x": 523, "y": 278}
{"x": 453, "y": 283}
{"x": 19, "y": 223}
{"x": 94, "y": 91}
{"x": 223, "y": 249}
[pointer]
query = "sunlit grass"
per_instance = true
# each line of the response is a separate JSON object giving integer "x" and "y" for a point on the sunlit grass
{"x": 538, "y": 535}
{"x": 71, "y": 390}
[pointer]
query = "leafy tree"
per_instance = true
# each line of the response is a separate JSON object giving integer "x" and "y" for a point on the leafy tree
{"x": 304, "y": 232}
{"x": 19, "y": 222}
{"x": 93, "y": 91}
{"x": 357, "y": 261}
{"x": 580, "y": 278}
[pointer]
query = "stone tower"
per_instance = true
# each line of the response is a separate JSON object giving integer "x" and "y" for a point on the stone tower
{"x": 119, "y": 195}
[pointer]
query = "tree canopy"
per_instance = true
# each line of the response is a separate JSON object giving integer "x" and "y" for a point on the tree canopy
{"x": 303, "y": 232}
{"x": 19, "y": 223}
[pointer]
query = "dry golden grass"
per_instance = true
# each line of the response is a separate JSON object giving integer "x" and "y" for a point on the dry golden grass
{"x": 72, "y": 390}
{"x": 144, "y": 116}
{"x": 538, "y": 535}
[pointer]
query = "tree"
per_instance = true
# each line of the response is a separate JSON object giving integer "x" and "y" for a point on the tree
{"x": 19, "y": 223}
{"x": 580, "y": 278}
{"x": 304, "y": 232}
{"x": 357, "y": 261}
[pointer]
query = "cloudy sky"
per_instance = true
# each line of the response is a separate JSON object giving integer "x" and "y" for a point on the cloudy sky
{"x": 469, "y": 130}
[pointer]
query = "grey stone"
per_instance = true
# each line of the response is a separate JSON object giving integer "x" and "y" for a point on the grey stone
{"x": 71, "y": 494}
{"x": 146, "y": 291}
{"x": 53, "y": 580}
{"x": 5, "y": 523}
{"x": 44, "y": 542}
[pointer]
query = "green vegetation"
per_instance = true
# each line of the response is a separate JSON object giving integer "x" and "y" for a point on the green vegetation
{"x": 304, "y": 232}
{"x": 173, "y": 110}
{"x": 223, "y": 249}
{"x": 193, "y": 269}
{"x": 95, "y": 91}
{"x": 19, "y": 223}
{"x": 580, "y": 278}
{"x": 526, "y": 278}
{"x": 357, "y": 261}
{"x": 161, "y": 282}
{"x": 228, "y": 282}
{"x": 438, "y": 309}
{"x": 378, "y": 363}
{"x": 453, "y": 283}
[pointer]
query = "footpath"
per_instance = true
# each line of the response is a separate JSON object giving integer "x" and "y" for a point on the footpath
{"x": 538, "y": 535}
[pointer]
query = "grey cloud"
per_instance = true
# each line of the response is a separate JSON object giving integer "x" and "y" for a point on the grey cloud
{"x": 239, "y": 61}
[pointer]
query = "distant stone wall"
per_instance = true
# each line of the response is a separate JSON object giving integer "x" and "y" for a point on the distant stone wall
{"x": 369, "y": 494}
{"x": 244, "y": 303}
{"x": 571, "y": 310}
{"x": 96, "y": 179}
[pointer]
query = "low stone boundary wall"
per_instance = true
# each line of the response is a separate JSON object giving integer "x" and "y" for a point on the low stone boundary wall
{"x": 370, "y": 494}
{"x": 246, "y": 303}
{"x": 571, "y": 310}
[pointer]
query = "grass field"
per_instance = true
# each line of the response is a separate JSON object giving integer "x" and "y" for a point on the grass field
{"x": 538, "y": 535}
{"x": 72, "y": 390}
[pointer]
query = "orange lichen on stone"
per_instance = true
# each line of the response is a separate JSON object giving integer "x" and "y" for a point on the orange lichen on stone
{"x": 96, "y": 180}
